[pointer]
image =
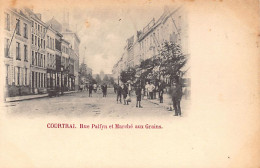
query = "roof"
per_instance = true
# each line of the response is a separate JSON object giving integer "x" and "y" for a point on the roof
{"x": 33, "y": 15}
{"x": 75, "y": 34}
{"x": 54, "y": 24}
{"x": 162, "y": 19}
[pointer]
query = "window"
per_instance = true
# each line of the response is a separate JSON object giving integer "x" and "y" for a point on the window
{"x": 48, "y": 41}
{"x": 18, "y": 75}
{"x": 32, "y": 39}
{"x": 48, "y": 59}
{"x": 39, "y": 42}
{"x": 32, "y": 57}
{"x": 44, "y": 44}
{"x": 36, "y": 60}
{"x": 25, "y": 53}
{"x": 7, "y": 21}
{"x": 7, "y": 74}
{"x": 43, "y": 60}
{"x": 25, "y": 76}
{"x": 18, "y": 56}
{"x": 25, "y": 30}
{"x": 18, "y": 27}
{"x": 32, "y": 24}
{"x": 6, "y": 47}
{"x": 35, "y": 41}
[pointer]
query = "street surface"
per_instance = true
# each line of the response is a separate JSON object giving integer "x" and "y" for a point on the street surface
{"x": 80, "y": 105}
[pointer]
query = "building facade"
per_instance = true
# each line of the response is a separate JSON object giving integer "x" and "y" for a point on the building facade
{"x": 51, "y": 58}
{"x": 74, "y": 40}
{"x": 17, "y": 52}
{"x": 147, "y": 43}
{"x": 38, "y": 53}
{"x": 37, "y": 56}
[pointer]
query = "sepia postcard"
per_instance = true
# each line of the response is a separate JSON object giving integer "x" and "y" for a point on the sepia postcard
{"x": 130, "y": 84}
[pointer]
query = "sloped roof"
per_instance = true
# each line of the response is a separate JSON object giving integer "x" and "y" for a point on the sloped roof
{"x": 54, "y": 24}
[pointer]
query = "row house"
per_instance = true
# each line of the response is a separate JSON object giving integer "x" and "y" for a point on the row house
{"x": 38, "y": 53}
{"x": 65, "y": 45}
{"x": 148, "y": 42}
{"x": 51, "y": 58}
{"x": 74, "y": 41}
{"x": 69, "y": 55}
{"x": 58, "y": 54}
{"x": 16, "y": 51}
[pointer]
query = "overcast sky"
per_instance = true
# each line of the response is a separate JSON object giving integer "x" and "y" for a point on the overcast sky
{"x": 104, "y": 31}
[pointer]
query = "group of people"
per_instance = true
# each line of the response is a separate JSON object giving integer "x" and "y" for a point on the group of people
{"x": 125, "y": 90}
{"x": 94, "y": 87}
{"x": 149, "y": 90}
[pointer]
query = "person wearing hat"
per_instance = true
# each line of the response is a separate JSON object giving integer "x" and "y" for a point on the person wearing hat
{"x": 176, "y": 93}
{"x": 138, "y": 93}
{"x": 119, "y": 93}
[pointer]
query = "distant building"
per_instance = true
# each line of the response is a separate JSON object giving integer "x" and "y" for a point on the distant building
{"x": 74, "y": 42}
{"x": 147, "y": 43}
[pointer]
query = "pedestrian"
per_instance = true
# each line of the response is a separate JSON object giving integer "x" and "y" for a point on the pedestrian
{"x": 105, "y": 90}
{"x": 90, "y": 90}
{"x": 125, "y": 93}
{"x": 129, "y": 89}
{"x": 115, "y": 88}
{"x": 176, "y": 93}
{"x": 161, "y": 91}
{"x": 138, "y": 93}
{"x": 151, "y": 90}
{"x": 95, "y": 88}
{"x": 119, "y": 93}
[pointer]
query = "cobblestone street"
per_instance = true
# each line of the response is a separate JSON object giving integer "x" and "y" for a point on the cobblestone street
{"x": 80, "y": 105}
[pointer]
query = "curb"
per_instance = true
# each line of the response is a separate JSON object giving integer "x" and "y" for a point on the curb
{"x": 21, "y": 98}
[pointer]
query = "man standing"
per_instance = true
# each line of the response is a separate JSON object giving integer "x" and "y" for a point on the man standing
{"x": 176, "y": 97}
{"x": 125, "y": 93}
{"x": 160, "y": 89}
{"x": 105, "y": 90}
{"x": 90, "y": 90}
{"x": 138, "y": 93}
{"x": 151, "y": 89}
{"x": 119, "y": 93}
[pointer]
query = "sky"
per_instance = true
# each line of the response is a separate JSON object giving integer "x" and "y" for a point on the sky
{"x": 104, "y": 31}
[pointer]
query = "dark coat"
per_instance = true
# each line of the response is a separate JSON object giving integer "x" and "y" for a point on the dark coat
{"x": 176, "y": 92}
{"x": 125, "y": 91}
{"x": 119, "y": 90}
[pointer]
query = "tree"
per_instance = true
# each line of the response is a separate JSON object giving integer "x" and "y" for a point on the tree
{"x": 98, "y": 79}
{"x": 171, "y": 61}
{"x": 106, "y": 79}
{"x": 111, "y": 80}
{"x": 128, "y": 75}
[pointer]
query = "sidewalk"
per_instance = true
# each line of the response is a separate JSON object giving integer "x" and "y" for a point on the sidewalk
{"x": 167, "y": 102}
{"x": 29, "y": 97}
